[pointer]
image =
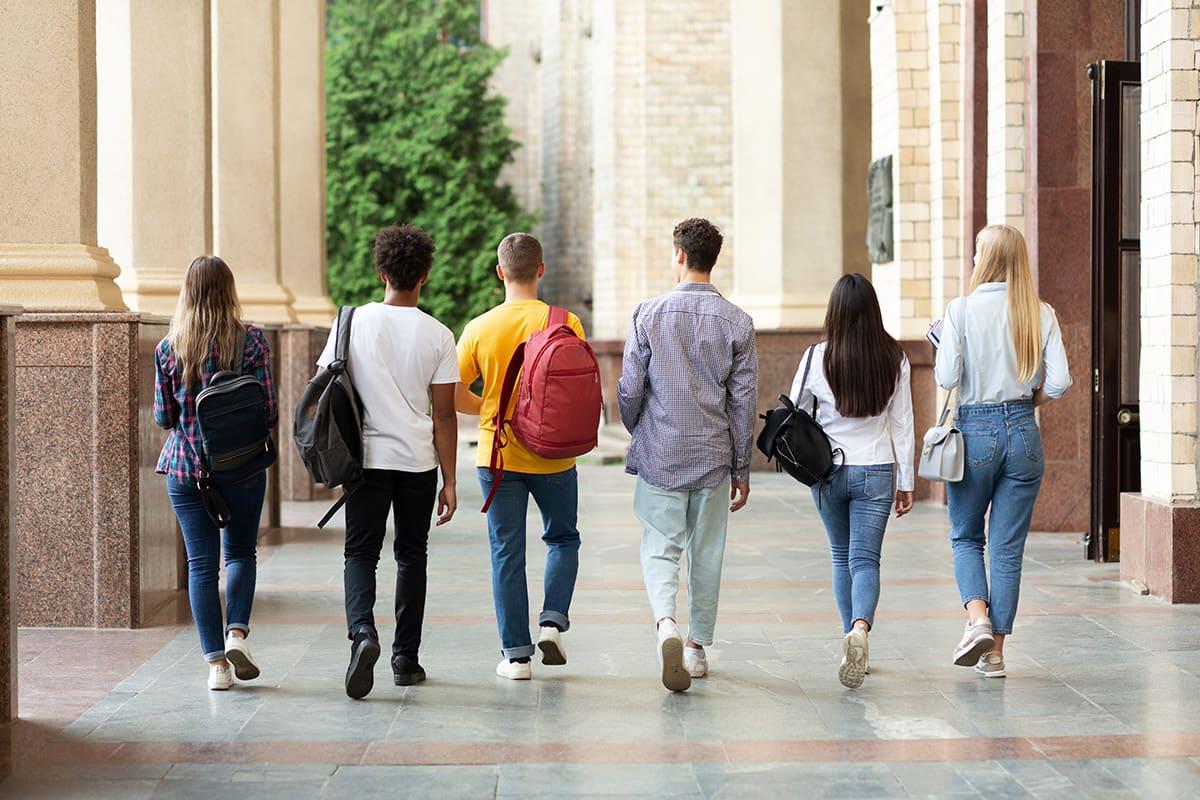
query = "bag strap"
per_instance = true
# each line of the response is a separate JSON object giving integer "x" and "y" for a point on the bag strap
{"x": 499, "y": 423}
{"x": 341, "y": 341}
{"x": 804, "y": 379}
{"x": 556, "y": 317}
{"x": 239, "y": 347}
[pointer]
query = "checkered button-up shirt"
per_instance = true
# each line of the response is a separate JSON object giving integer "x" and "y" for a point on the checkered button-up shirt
{"x": 175, "y": 402}
{"x": 688, "y": 390}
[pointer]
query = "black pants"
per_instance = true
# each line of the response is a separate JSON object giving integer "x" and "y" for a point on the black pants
{"x": 412, "y": 495}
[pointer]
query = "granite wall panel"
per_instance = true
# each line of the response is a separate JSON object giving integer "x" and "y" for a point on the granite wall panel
{"x": 8, "y": 611}
{"x": 1160, "y": 547}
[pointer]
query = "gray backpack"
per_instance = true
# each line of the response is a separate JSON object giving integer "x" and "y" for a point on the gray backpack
{"x": 328, "y": 424}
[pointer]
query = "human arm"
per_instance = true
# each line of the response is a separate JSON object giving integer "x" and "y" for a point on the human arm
{"x": 742, "y": 402}
{"x": 445, "y": 441}
{"x": 166, "y": 409}
{"x": 466, "y": 401}
{"x": 1054, "y": 358}
{"x": 801, "y": 395}
{"x": 900, "y": 424}
{"x": 258, "y": 359}
{"x": 631, "y": 389}
{"x": 948, "y": 365}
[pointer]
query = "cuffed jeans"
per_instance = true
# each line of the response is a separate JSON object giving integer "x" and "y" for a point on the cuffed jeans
{"x": 1003, "y": 470}
{"x": 410, "y": 495}
{"x": 677, "y": 523}
{"x": 557, "y": 497}
{"x": 203, "y": 541}
{"x": 855, "y": 506}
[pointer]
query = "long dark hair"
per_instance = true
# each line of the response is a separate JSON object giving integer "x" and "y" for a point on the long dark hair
{"x": 862, "y": 361}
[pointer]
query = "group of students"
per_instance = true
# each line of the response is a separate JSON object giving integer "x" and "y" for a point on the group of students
{"x": 687, "y": 395}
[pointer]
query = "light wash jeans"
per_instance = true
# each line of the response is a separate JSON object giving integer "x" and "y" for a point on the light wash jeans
{"x": 855, "y": 507}
{"x": 1004, "y": 466}
{"x": 677, "y": 523}
{"x": 557, "y": 497}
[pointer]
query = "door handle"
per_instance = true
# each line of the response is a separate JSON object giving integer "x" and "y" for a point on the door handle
{"x": 1127, "y": 417}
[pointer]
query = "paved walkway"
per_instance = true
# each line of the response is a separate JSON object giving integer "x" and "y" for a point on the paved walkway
{"x": 1102, "y": 698}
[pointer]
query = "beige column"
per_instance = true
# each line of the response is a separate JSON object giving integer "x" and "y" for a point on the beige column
{"x": 901, "y": 129}
{"x": 302, "y": 158}
{"x": 154, "y": 177}
{"x": 49, "y": 255}
{"x": 945, "y": 29}
{"x": 787, "y": 160}
{"x": 246, "y": 195}
{"x": 1007, "y": 84}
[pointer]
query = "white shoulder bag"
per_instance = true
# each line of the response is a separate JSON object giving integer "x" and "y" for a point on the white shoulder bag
{"x": 942, "y": 453}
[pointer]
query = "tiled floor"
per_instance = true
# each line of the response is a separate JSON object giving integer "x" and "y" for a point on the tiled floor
{"x": 1103, "y": 697}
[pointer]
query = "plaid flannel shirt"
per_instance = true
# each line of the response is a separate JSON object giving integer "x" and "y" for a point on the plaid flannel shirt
{"x": 175, "y": 403}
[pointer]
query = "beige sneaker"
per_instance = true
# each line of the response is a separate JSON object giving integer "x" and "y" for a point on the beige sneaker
{"x": 670, "y": 655}
{"x": 696, "y": 661}
{"x": 991, "y": 665}
{"x": 854, "y": 659}
{"x": 977, "y": 639}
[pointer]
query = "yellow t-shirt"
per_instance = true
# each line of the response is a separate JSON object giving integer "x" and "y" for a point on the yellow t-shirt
{"x": 486, "y": 346}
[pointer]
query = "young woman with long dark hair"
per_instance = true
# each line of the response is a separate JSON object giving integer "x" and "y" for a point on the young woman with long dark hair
{"x": 202, "y": 341}
{"x": 860, "y": 378}
{"x": 1002, "y": 348}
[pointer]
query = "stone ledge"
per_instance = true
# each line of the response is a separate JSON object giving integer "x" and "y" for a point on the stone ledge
{"x": 1160, "y": 546}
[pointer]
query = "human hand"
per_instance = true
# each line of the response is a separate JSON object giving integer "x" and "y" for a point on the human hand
{"x": 447, "y": 503}
{"x": 739, "y": 493}
{"x": 904, "y": 503}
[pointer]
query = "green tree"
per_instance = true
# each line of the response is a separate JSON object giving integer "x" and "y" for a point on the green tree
{"x": 415, "y": 135}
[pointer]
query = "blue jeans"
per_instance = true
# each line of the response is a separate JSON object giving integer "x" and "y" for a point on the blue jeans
{"x": 1004, "y": 466}
{"x": 203, "y": 541}
{"x": 855, "y": 507}
{"x": 557, "y": 497}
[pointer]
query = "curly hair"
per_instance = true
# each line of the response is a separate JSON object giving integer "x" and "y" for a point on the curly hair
{"x": 403, "y": 255}
{"x": 700, "y": 242}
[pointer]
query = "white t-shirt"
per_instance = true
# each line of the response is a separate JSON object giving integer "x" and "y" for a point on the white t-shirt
{"x": 396, "y": 354}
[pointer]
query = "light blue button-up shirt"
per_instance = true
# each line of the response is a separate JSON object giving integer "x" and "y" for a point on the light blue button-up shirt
{"x": 689, "y": 389}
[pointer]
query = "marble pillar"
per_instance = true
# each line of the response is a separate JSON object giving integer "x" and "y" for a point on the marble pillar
{"x": 302, "y": 159}
{"x": 245, "y": 154}
{"x": 49, "y": 254}
{"x": 296, "y": 363}
{"x": 154, "y": 174}
{"x": 8, "y": 616}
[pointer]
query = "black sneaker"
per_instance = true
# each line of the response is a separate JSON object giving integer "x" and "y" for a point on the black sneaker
{"x": 360, "y": 675}
{"x": 406, "y": 671}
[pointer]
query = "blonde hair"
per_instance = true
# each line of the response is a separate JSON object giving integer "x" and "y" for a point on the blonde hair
{"x": 1001, "y": 256}
{"x": 208, "y": 312}
{"x": 520, "y": 254}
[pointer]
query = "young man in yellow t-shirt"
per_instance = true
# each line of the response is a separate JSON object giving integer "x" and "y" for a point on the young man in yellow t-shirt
{"x": 485, "y": 349}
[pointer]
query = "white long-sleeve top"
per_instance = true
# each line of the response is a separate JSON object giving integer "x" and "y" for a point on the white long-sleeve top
{"x": 885, "y": 438}
{"x": 976, "y": 353}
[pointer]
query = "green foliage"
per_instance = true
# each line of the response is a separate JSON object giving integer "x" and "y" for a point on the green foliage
{"x": 414, "y": 135}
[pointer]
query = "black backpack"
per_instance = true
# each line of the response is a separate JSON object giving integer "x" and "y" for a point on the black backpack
{"x": 798, "y": 445}
{"x": 235, "y": 441}
{"x": 328, "y": 424}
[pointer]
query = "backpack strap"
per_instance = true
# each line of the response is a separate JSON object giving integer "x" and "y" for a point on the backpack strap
{"x": 556, "y": 317}
{"x": 804, "y": 379}
{"x": 239, "y": 347}
{"x": 341, "y": 339}
{"x": 499, "y": 423}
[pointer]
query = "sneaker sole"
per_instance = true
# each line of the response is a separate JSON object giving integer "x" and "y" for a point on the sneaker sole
{"x": 970, "y": 657}
{"x": 360, "y": 676}
{"x": 674, "y": 675}
{"x": 996, "y": 674}
{"x": 853, "y": 667}
{"x": 408, "y": 679}
{"x": 243, "y": 668}
{"x": 220, "y": 688}
{"x": 552, "y": 654}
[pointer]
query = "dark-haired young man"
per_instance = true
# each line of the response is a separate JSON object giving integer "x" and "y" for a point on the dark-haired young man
{"x": 400, "y": 359}
{"x": 687, "y": 394}
{"x": 486, "y": 347}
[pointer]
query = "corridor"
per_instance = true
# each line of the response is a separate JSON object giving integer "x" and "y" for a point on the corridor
{"x": 1102, "y": 698}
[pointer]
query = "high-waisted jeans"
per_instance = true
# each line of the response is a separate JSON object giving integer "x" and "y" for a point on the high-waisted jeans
{"x": 1003, "y": 472}
{"x": 855, "y": 507}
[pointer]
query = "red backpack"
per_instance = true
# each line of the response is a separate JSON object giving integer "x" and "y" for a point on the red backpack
{"x": 557, "y": 413}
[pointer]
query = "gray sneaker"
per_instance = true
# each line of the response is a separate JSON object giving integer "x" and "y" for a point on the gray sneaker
{"x": 854, "y": 659}
{"x": 977, "y": 640}
{"x": 991, "y": 666}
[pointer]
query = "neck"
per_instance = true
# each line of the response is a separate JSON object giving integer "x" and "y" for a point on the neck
{"x": 395, "y": 297}
{"x": 695, "y": 276}
{"x": 514, "y": 292}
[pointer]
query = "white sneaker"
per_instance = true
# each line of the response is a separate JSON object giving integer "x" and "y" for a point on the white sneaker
{"x": 670, "y": 655}
{"x": 238, "y": 654}
{"x": 977, "y": 639}
{"x": 696, "y": 661}
{"x": 514, "y": 671}
{"x": 991, "y": 665}
{"x": 219, "y": 678}
{"x": 550, "y": 643}
{"x": 854, "y": 659}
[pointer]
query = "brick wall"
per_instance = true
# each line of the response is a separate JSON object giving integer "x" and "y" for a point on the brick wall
{"x": 1007, "y": 78}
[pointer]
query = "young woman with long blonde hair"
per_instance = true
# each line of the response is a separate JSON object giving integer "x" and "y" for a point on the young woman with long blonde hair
{"x": 1002, "y": 349}
{"x": 202, "y": 341}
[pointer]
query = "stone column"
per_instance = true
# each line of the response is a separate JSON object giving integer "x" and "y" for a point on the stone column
{"x": 1160, "y": 527}
{"x": 246, "y": 196}
{"x": 8, "y": 562}
{"x": 945, "y": 31}
{"x": 789, "y": 150}
{"x": 49, "y": 256}
{"x": 302, "y": 158}
{"x": 900, "y": 87}
{"x": 154, "y": 131}
{"x": 1007, "y": 112}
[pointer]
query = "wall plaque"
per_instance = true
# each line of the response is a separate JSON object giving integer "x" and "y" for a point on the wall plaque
{"x": 880, "y": 248}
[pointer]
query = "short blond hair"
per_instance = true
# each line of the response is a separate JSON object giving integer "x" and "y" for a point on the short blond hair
{"x": 520, "y": 255}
